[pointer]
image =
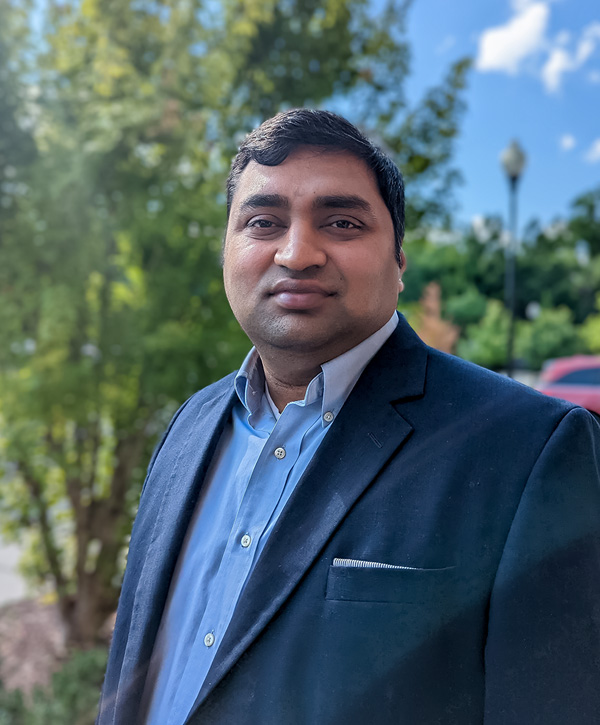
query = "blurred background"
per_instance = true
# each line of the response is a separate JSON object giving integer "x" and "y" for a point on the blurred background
{"x": 118, "y": 120}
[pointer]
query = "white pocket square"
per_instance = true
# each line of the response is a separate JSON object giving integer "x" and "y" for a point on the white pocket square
{"x": 360, "y": 564}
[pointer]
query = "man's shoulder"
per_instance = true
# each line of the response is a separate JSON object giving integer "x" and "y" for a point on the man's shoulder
{"x": 188, "y": 414}
{"x": 451, "y": 377}
{"x": 489, "y": 415}
{"x": 447, "y": 381}
{"x": 218, "y": 389}
{"x": 221, "y": 390}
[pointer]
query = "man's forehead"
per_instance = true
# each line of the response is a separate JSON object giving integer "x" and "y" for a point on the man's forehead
{"x": 308, "y": 170}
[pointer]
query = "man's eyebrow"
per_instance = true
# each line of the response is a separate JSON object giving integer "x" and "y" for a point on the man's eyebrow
{"x": 260, "y": 201}
{"x": 332, "y": 201}
{"x": 345, "y": 201}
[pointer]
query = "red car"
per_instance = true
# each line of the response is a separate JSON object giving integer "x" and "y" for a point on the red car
{"x": 576, "y": 379}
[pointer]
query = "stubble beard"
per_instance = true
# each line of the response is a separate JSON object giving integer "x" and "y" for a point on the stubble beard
{"x": 294, "y": 333}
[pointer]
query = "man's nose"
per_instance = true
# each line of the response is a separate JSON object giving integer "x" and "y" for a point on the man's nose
{"x": 300, "y": 248}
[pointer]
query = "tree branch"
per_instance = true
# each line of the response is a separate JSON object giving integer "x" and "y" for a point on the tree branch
{"x": 49, "y": 545}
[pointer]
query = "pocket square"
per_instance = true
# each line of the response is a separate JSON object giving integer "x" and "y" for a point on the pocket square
{"x": 360, "y": 564}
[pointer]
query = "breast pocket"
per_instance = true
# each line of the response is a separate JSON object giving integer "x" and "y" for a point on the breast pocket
{"x": 422, "y": 587}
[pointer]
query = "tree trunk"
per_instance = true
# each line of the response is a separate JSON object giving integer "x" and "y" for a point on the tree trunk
{"x": 104, "y": 524}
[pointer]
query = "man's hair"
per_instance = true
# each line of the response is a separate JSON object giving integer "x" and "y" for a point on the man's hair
{"x": 274, "y": 140}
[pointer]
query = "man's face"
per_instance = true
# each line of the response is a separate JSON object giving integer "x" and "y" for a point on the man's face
{"x": 309, "y": 262}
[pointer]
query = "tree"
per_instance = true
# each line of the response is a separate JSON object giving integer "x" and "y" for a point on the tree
{"x": 552, "y": 334}
{"x": 590, "y": 331}
{"x": 585, "y": 222}
{"x": 112, "y": 300}
{"x": 485, "y": 342}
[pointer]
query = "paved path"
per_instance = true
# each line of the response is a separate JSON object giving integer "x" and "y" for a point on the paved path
{"x": 12, "y": 585}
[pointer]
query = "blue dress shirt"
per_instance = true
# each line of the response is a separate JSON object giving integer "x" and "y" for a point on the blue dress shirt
{"x": 258, "y": 462}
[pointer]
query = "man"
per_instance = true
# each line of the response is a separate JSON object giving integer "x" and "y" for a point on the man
{"x": 354, "y": 528}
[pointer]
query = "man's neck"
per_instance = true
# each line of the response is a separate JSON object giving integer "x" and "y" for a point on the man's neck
{"x": 287, "y": 384}
{"x": 289, "y": 372}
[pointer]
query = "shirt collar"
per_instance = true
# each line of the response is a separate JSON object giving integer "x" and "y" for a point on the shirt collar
{"x": 332, "y": 385}
{"x": 341, "y": 374}
{"x": 250, "y": 382}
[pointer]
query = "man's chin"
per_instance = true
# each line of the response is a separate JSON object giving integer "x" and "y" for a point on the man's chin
{"x": 302, "y": 336}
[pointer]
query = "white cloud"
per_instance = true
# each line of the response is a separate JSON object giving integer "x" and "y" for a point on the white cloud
{"x": 588, "y": 42}
{"x": 592, "y": 155}
{"x": 505, "y": 47}
{"x": 522, "y": 43}
{"x": 561, "y": 60}
{"x": 567, "y": 142}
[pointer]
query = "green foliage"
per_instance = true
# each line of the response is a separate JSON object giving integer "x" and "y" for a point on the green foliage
{"x": 549, "y": 272}
{"x": 71, "y": 698}
{"x": 552, "y": 334}
{"x": 428, "y": 262}
{"x": 17, "y": 148}
{"x": 585, "y": 223}
{"x": 467, "y": 307}
{"x": 12, "y": 707}
{"x": 590, "y": 331}
{"x": 485, "y": 342}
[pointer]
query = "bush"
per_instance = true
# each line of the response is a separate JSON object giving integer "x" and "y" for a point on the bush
{"x": 12, "y": 707}
{"x": 71, "y": 699}
{"x": 550, "y": 335}
{"x": 467, "y": 308}
{"x": 485, "y": 342}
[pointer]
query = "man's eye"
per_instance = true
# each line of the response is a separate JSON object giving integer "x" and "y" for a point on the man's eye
{"x": 344, "y": 224}
{"x": 261, "y": 223}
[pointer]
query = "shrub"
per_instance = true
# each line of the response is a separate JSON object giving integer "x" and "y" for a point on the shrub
{"x": 71, "y": 698}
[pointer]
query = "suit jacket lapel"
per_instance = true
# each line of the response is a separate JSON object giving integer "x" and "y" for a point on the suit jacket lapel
{"x": 367, "y": 432}
{"x": 183, "y": 468}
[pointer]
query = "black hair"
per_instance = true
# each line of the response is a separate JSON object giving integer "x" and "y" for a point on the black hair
{"x": 274, "y": 140}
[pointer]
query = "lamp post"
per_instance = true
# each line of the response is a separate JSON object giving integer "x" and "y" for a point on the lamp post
{"x": 513, "y": 162}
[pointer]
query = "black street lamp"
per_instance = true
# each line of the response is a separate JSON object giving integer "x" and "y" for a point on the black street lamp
{"x": 513, "y": 162}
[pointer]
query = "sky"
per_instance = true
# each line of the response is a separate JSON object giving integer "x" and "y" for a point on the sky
{"x": 536, "y": 78}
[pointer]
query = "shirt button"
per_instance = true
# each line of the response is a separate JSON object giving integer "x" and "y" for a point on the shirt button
{"x": 246, "y": 541}
{"x": 209, "y": 639}
{"x": 280, "y": 453}
{"x": 328, "y": 416}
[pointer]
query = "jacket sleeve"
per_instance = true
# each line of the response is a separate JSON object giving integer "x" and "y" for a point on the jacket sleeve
{"x": 542, "y": 656}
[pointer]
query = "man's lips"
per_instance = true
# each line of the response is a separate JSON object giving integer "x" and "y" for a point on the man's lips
{"x": 294, "y": 294}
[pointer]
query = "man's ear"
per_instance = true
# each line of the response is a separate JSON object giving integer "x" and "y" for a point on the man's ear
{"x": 222, "y": 254}
{"x": 401, "y": 270}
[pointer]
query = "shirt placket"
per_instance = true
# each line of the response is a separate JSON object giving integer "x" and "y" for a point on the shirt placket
{"x": 263, "y": 493}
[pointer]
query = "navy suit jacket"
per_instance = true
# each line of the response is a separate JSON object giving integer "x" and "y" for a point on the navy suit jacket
{"x": 488, "y": 493}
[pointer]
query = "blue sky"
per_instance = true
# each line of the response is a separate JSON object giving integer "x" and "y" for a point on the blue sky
{"x": 536, "y": 78}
